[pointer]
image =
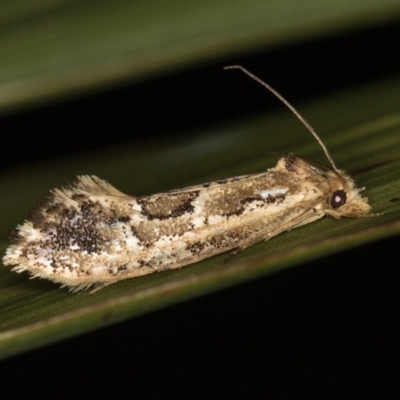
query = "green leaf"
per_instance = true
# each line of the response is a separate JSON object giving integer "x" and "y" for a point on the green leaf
{"x": 52, "y": 48}
{"x": 361, "y": 133}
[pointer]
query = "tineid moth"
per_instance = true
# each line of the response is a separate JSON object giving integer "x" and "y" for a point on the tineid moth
{"x": 91, "y": 235}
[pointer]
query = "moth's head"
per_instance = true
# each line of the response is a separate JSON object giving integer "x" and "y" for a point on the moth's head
{"x": 344, "y": 199}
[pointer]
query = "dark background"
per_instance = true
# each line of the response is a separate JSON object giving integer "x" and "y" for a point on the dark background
{"x": 328, "y": 329}
{"x": 169, "y": 104}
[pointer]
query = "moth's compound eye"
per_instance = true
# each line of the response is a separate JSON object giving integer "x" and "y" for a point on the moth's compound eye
{"x": 338, "y": 198}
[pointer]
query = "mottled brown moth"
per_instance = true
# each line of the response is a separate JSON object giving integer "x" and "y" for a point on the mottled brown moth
{"x": 91, "y": 235}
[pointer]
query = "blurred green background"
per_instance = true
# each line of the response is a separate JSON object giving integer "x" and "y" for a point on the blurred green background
{"x": 135, "y": 93}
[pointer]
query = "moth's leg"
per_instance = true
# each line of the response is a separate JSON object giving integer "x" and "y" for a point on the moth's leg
{"x": 257, "y": 237}
{"x": 265, "y": 233}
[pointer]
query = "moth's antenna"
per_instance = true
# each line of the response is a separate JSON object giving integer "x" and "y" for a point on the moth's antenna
{"x": 294, "y": 111}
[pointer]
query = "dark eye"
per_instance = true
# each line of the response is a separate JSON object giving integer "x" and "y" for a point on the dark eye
{"x": 338, "y": 198}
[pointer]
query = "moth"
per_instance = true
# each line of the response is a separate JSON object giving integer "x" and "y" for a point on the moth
{"x": 90, "y": 235}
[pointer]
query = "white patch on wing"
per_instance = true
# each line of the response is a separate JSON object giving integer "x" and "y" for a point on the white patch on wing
{"x": 272, "y": 192}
